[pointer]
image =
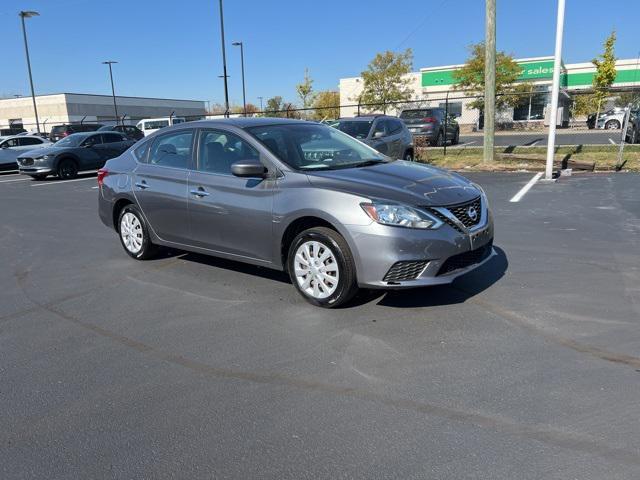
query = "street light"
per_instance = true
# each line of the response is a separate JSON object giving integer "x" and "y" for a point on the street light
{"x": 23, "y": 15}
{"x": 224, "y": 63}
{"x": 260, "y": 98}
{"x": 113, "y": 90}
{"x": 244, "y": 97}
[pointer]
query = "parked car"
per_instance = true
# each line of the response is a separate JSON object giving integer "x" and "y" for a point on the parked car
{"x": 633, "y": 128}
{"x": 132, "y": 133}
{"x": 429, "y": 123}
{"x": 300, "y": 197}
{"x": 73, "y": 154}
{"x": 60, "y": 131}
{"x": 386, "y": 134}
{"x": 609, "y": 120}
{"x": 12, "y": 147}
{"x": 150, "y": 125}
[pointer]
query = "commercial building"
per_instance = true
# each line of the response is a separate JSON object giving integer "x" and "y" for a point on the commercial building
{"x": 435, "y": 87}
{"x": 77, "y": 107}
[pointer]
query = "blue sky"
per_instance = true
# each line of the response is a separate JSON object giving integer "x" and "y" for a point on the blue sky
{"x": 170, "y": 48}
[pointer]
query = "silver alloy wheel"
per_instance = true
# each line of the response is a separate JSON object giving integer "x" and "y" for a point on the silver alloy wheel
{"x": 316, "y": 269}
{"x": 131, "y": 232}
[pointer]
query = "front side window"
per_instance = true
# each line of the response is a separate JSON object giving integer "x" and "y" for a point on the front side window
{"x": 315, "y": 147}
{"x": 381, "y": 127}
{"x": 25, "y": 141}
{"x": 219, "y": 150}
{"x": 172, "y": 150}
{"x": 394, "y": 126}
{"x": 92, "y": 140}
{"x": 13, "y": 142}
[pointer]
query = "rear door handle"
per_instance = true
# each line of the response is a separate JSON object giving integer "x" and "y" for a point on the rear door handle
{"x": 200, "y": 192}
{"x": 142, "y": 184}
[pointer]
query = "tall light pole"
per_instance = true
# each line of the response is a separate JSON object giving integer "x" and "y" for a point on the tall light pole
{"x": 489, "y": 79}
{"x": 23, "y": 15}
{"x": 555, "y": 92}
{"x": 224, "y": 63}
{"x": 244, "y": 95}
{"x": 260, "y": 98}
{"x": 113, "y": 90}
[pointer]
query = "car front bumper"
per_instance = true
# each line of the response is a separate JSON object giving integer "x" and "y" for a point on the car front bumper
{"x": 35, "y": 170}
{"x": 435, "y": 257}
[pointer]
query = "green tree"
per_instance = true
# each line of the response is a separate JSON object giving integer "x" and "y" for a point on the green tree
{"x": 385, "y": 79}
{"x": 471, "y": 78}
{"x": 273, "y": 107}
{"x": 605, "y": 75}
{"x": 327, "y": 103}
{"x": 305, "y": 91}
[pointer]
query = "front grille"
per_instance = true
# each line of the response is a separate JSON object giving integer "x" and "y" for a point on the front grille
{"x": 446, "y": 220}
{"x": 407, "y": 270}
{"x": 26, "y": 162}
{"x": 466, "y": 259}
{"x": 461, "y": 212}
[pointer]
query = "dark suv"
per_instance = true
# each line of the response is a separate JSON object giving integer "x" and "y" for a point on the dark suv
{"x": 132, "y": 133}
{"x": 429, "y": 123}
{"x": 60, "y": 131}
{"x": 386, "y": 134}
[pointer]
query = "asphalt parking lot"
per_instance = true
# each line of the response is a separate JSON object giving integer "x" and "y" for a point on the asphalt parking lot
{"x": 192, "y": 367}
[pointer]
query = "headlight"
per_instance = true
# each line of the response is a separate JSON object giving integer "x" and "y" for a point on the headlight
{"x": 400, "y": 216}
{"x": 43, "y": 157}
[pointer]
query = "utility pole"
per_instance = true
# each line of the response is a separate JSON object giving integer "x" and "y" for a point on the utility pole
{"x": 244, "y": 94}
{"x": 555, "y": 91}
{"x": 113, "y": 90}
{"x": 224, "y": 63}
{"x": 260, "y": 98}
{"x": 489, "y": 79}
{"x": 23, "y": 15}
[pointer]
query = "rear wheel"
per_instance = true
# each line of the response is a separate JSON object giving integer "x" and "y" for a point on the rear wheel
{"x": 67, "y": 169}
{"x": 322, "y": 268}
{"x": 134, "y": 234}
{"x": 438, "y": 142}
{"x": 612, "y": 125}
{"x": 456, "y": 138}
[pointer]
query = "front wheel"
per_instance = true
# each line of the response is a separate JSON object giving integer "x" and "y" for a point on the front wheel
{"x": 439, "y": 141}
{"x": 612, "y": 125}
{"x": 322, "y": 268}
{"x": 134, "y": 234}
{"x": 408, "y": 155}
{"x": 67, "y": 169}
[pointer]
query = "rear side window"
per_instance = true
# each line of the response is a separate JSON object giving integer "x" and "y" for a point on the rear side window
{"x": 141, "y": 152}
{"x": 24, "y": 141}
{"x": 172, "y": 150}
{"x": 111, "y": 138}
{"x": 413, "y": 114}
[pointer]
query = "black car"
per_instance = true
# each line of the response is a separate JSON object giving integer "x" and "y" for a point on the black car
{"x": 132, "y": 133}
{"x": 633, "y": 127}
{"x": 72, "y": 154}
{"x": 60, "y": 131}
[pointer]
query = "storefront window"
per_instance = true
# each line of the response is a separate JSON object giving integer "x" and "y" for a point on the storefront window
{"x": 531, "y": 108}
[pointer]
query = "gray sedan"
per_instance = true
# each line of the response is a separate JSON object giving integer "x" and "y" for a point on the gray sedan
{"x": 300, "y": 197}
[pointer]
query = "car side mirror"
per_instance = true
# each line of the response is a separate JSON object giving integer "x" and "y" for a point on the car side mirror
{"x": 378, "y": 134}
{"x": 249, "y": 168}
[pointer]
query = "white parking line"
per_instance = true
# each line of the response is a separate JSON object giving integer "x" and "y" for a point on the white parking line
{"x": 15, "y": 180}
{"x": 534, "y": 143}
{"x": 612, "y": 142}
{"x": 518, "y": 196}
{"x": 60, "y": 182}
{"x": 468, "y": 143}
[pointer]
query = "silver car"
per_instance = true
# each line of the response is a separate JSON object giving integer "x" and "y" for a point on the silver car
{"x": 12, "y": 147}
{"x": 300, "y": 197}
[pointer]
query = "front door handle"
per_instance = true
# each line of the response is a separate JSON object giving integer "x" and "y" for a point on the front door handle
{"x": 200, "y": 192}
{"x": 143, "y": 185}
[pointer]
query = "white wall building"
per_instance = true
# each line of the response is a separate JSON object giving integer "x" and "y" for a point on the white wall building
{"x": 76, "y": 107}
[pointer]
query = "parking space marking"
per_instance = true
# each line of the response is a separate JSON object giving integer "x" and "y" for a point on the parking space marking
{"x": 612, "y": 142}
{"x": 15, "y": 180}
{"x": 467, "y": 143}
{"x": 61, "y": 182}
{"x": 518, "y": 196}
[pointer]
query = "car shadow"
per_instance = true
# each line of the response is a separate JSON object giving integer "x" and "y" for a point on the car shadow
{"x": 462, "y": 288}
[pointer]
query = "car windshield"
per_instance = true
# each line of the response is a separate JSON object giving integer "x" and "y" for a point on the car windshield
{"x": 355, "y": 128}
{"x": 315, "y": 147}
{"x": 70, "y": 141}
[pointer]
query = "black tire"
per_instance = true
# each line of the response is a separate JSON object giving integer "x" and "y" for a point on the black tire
{"x": 147, "y": 250}
{"x": 347, "y": 285}
{"x": 67, "y": 169}
{"x": 408, "y": 155}
{"x": 456, "y": 138}
{"x": 40, "y": 177}
{"x": 612, "y": 125}
{"x": 438, "y": 142}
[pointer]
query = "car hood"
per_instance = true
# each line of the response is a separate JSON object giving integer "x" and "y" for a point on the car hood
{"x": 42, "y": 151}
{"x": 400, "y": 181}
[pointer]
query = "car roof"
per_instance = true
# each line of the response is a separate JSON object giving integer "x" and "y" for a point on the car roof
{"x": 245, "y": 122}
{"x": 18, "y": 136}
{"x": 363, "y": 118}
